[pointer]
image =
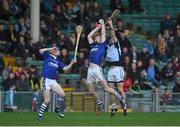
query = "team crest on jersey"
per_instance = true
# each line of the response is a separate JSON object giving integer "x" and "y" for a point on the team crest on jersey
{"x": 94, "y": 49}
{"x": 53, "y": 64}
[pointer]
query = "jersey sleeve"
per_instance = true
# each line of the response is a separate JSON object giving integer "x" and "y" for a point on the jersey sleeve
{"x": 61, "y": 65}
{"x": 46, "y": 55}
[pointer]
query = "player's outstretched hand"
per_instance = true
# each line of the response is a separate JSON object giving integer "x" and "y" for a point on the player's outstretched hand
{"x": 73, "y": 61}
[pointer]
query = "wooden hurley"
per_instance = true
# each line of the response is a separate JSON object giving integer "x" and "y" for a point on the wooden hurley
{"x": 79, "y": 29}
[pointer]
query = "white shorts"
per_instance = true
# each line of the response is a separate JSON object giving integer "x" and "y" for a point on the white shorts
{"x": 47, "y": 84}
{"x": 115, "y": 74}
{"x": 95, "y": 74}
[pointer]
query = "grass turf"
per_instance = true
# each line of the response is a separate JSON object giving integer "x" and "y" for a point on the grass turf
{"x": 90, "y": 119}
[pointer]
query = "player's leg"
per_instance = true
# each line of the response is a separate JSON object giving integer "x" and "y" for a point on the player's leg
{"x": 115, "y": 93}
{"x": 92, "y": 89}
{"x": 46, "y": 95}
{"x": 119, "y": 77}
{"x": 101, "y": 80}
{"x": 112, "y": 100}
{"x": 91, "y": 82}
{"x": 44, "y": 105}
{"x": 60, "y": 104}
{"x": 111, "y": 82}
{"x": 120, "y": 89}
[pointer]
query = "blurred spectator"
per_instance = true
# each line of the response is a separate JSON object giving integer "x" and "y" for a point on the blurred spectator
{"x": 149, "y": 45}
{"x": 35, "y": 98}
{"x": 9, "y": 81}
{"x": 117, "y": 4}
{"x": 45, "y": 30}
{"x": 153, "y": 73}
{"x": 23, "y": 4}
{"x": 51, "y": 22}
{"x": 176, "y": 90}
{"x": 135, "y": 5}
{"x": 176, "y": 63}
{"x": 80, "y": 62}
{"x": 178, "y": 19}
{"x": 134, "y": 74}
{"x": 2, "y": 64}
{"x": 6, "y": 71}
{"x": 128, "y": 85}
{"x": 165, "y": 97}
{"x": 20, "y": 71}
{"x": 140, "y": 66}
{"x": 21, "y": 27}
{"x": 22, "y": 48}
{"x": 13, "y": 8}
{"x": 34, "y": 77}
{"x": 83, "y": 43}
{"x": 169, "y": 40}
{"x": 65, "y": 57}
{"x": 127, "y": 63}
{"x": 60, "y": 16}
{"x": 81, "y": 13}
{"x": 22, "y": 83}
{"x": 177, "y": 42}
{"x": 120, "y": 24}
{"x": 46, "y": 6}
{"x": 32, "y": 49}
{"x": 144, "y": 56}
{"x": 123, "y": 40}
{"x": 9, "y": 98}
{"x": 167, "y": 23}
{"x": 11, "y": 40}
{"x": 167, "y": 73}
{"x": 133, "y": 54}
{"x": 3, "y": 33}
{"x": 72, "y": 39}
{"x": 161, "y": 50}
{"x": 40, "y": 44}
{"x": 124, "y": 53}
{"x": 97, "y": 11}
{"x": 83, "y": 75}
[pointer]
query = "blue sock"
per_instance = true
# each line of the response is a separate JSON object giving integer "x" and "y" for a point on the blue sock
{"x": 42, "y": 109}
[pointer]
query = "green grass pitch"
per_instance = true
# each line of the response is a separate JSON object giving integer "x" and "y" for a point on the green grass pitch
{"x": 90, "y": 119}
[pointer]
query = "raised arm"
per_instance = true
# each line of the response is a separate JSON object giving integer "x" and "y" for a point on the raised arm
{"x": 90, "y": 35}
{"x": 46, "y": 49}
{"x": 103, "y": 30}
{"x": 68, "y": 67}
{"x": 113, "y": 34}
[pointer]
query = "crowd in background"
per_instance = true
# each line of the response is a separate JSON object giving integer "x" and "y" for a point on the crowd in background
{"x": 57, "y": 23}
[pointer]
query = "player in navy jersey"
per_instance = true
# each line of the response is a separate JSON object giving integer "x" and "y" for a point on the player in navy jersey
{"x": 49, "y": 74}
{"x": 116, "y": 71}
{"x": 98, "y": 47}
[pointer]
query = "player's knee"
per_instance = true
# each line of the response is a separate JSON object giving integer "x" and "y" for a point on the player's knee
{"x": 47, "y": 100}
{"x": 62, "y": 94}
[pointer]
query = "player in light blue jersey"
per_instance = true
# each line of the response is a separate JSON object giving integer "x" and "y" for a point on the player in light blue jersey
{"x": 116, "y": 71}
{"x": 49, "y": 74}
{"x": 98, "y": 47}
